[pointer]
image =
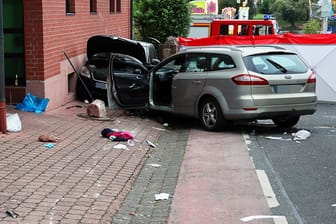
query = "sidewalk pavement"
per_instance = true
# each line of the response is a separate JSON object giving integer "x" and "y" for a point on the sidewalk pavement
{"x": 84, "y": 179}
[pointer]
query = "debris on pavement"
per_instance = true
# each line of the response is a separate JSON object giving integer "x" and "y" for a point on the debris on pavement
{"x": 159, "y": 129}
{"x": 297, "y": 136}
{"x": 49, "y": 145}
{"x": 161, "y": 196}
{"x": 120, "y": 146}
{"x": 48, "y": 138}
{"x": 301, "y": 135}
{"x": 13, "y": 122}
{"x": 96, "y": 109}
{"x": 151, "y": 144}
{"x": 116, "y": 135}
{"x": 278, "y": 138}
{"x": 130, "y": 142}
{"x": 76, "y": 106}
{"x": 154, "y": 165}
{"x": 12, "y": 213}
{"x": 33, "y": 104}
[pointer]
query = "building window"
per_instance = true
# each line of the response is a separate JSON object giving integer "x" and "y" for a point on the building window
{"x": 70, "y": 6}
{"x": 93, "y": 6}
{"x": 118, "y": 5}
{"x": 115, "y": 6}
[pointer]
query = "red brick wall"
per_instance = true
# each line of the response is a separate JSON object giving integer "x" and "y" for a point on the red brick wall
{"x": 49, "y": 31}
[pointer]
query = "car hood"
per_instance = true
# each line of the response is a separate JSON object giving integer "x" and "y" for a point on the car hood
{"x": 114, "y": 44}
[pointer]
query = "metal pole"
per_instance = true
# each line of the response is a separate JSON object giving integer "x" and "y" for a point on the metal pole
{"x": 3, "y": 125}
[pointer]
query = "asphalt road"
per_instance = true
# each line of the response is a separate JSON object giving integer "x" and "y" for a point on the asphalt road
{"x": 302, "y": 173}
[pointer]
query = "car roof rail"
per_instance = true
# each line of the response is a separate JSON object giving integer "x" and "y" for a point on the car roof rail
{"x": 208, "y": 47}
{"x": 261, "y": 45}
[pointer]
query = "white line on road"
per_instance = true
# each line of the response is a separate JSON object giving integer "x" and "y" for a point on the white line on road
{"x": 267, "y": 189}
{"x": 276, "y": 219}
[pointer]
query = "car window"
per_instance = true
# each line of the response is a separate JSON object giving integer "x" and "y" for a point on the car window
{"x": 221, "y": 62}
{"x": 127, "y": 66}
{"x": 174, "y": 65}
{"x": 100, "y": 60}
{"x": 275, "y": 63}
{"x": 194, "y": 63}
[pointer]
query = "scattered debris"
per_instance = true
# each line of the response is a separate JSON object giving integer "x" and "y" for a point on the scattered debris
{"x": 115, "y": 135}
{"x": 132, "y": 213}
{"x": 49, "y": 145}
{"x": 33, "y": 104}
{"x": 77, "y": 106}
{"x": 301, "y": 135}
{"x": 96, "y": 109}
{"x": 165, "y": 125}
{"x": 161, "y": 196}
{"x": 12, "y": 213}
{"x": 278, "y": 138}
{"x": 159, "y": 129}
{"x": 151, "y": 144}
{"x": 120, "y": 146}
{"x": 13, "y": 122}
{"x": 130, "y": 142}
{"x": 48, "y": 138}
{"x": 154, "y": 165}
{"x": 333, "y": 205}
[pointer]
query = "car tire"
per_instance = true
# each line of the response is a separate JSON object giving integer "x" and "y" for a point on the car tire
{"x": 210, "y": 115}
{"x": 286, "y": 122}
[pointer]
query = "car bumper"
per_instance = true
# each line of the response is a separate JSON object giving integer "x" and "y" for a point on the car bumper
{"x": 270, "y": 111}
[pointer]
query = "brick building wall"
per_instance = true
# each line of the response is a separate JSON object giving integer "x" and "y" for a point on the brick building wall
{"x": 49, "y": 31}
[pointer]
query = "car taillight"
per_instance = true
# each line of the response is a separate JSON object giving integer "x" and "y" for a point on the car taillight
{"x": 312, "y": 78}
{"x": 249, "y": 80}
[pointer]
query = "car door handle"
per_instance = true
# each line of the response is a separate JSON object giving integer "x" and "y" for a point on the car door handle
{"x": 196, "y": 82}
{"x": 131, "y": 86}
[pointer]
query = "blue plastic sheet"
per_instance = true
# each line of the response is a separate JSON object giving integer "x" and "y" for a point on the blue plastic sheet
{"x": 33, "y": 104}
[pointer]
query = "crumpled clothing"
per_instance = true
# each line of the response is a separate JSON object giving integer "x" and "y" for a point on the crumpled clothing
{"x": 116, "y": 135}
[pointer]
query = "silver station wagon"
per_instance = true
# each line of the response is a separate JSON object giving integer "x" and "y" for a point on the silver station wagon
{"x": 218, "y": 84}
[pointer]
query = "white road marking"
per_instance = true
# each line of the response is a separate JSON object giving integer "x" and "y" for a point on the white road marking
{"x": 267, "y": 189}
{"x": 276, "y": 219}
{"x": 280, "y": 220}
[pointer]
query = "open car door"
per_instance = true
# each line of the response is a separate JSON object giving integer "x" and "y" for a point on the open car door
{"x": 127, "y": 83}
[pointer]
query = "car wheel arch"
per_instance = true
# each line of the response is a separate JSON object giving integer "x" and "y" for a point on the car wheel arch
{"x": 217, "y": 95}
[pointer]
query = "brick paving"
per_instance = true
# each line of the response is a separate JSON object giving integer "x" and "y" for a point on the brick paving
{"x": 82, "y": 179}
{"x": 140, "y": 206}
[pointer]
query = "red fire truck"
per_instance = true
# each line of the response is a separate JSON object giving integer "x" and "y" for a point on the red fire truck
{"x": 234, "y": 27}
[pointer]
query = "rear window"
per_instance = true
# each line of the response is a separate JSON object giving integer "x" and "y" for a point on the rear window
{"x": 275, "y": 63}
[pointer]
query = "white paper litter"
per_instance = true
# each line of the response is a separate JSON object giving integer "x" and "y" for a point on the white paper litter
{"x": 154, "y": 165}
{"x": 278, "y": 138}
{"x": 151, "y": 144}
{"x": 301, "y": 135}
{"x": 120, "y": 146}
{"x": 161, "y": 196}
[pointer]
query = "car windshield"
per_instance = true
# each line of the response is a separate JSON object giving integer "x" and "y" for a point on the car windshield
{"x": 275, "y": 63}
